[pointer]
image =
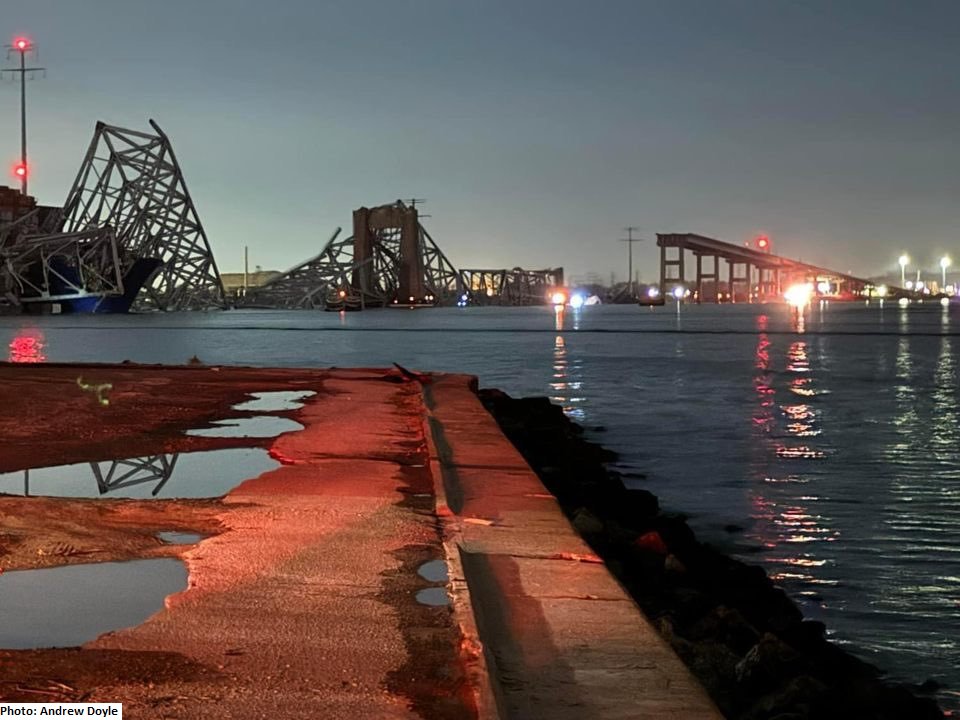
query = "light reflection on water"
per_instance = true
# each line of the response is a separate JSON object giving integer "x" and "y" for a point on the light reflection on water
{"x": 832, "y": 436}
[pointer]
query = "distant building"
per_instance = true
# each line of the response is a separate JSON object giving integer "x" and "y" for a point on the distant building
{"x": 233, "y": 283}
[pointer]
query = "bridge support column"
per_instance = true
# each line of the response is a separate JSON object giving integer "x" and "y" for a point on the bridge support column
{"x": 666, "y": 264}
{"x": 362, "y": 250}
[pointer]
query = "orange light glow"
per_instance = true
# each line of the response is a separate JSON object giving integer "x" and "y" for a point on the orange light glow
{"x": 799, "y": 295}
{"x": 559, "y": 298}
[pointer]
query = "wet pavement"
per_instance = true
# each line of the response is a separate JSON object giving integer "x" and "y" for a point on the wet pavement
{"x": 401, "y": 561}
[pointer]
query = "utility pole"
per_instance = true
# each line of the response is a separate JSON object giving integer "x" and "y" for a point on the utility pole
{"x": 630, "y": 240}
{"x": 22, "y": 46}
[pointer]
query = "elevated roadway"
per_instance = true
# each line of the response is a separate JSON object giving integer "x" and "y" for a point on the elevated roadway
{"x": 751, "y": 274}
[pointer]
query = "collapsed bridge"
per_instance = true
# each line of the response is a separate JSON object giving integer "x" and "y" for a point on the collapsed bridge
{"x": 391, "y": 260}
{"x": 127, "y": 236}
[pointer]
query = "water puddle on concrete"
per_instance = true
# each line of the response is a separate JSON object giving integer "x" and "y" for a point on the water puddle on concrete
{"x": 180, "y": 538}
{"x": 261, "y": 426}
{"x": 433, "y": 596}
{"x": 434, "y": 571}
{"x": 275, "y": 401}
{"x": 173, "y": 475}
{"x": 71, "y": 605}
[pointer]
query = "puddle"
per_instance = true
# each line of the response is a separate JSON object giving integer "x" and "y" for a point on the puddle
{"x": 433, "y": 596}
{"x": 180, "y": 538}
{"x": 71, "y": 605}
{"x": 275, "y": 401}
{"x": 175, "y": 475}
{"x": 434, "y": 571}
{"x": 261, "y": 426}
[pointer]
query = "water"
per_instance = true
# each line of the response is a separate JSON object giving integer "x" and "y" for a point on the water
{"x": 261, "y": 426}
{"x": 71, "y": 605}
{"x": 179, "y": 538}
{"x": 202, "y": 474}
{"x": 275, "y": 401}
{"x": 833, "y": 442}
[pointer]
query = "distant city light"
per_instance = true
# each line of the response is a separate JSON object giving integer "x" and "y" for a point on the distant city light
{"x": 909, "y": 285}
{"x": 576, "y": 301}
{"x": 653, "y": 292}
{"x": 904, "y": 260}
{"x": 945, "y": 301}
{"x": 945, "y": 262}
{"x": 882, "y": 291}
{"x": 558, "y": 298}
{"x": 679, "y": 292}
{"x": 823, "y": 287}
{"x": 903, "y": 302}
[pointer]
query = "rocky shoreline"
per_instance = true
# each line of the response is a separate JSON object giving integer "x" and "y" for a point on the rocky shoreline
{"x": 743, "y": 638}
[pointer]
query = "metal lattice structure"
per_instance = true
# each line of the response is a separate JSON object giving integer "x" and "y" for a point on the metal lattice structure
{"x": 113, "y": 475}
{"x": 131, "y": 181}
{"x": 48, "y": 268}
{"x": 395, "y": 261}
{"x": 307, "y": 285}
{"x": 510, "y": 287}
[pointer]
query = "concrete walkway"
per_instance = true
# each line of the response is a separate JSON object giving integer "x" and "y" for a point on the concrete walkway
{"x": 562, "y": 639}
{"x": 304, "y": 606}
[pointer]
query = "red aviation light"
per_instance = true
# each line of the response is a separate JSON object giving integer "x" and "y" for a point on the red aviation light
{"x": 21, "y": 44}
{"x": 20, "y": 170}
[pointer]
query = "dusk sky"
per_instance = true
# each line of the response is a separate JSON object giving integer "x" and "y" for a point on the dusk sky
{"x": 536, "y": 130}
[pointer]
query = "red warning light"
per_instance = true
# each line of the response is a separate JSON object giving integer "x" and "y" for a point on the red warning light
{"x": 21, "y": 44}
{"x": 763, "y": 243}
{"x": 20, "y": 170}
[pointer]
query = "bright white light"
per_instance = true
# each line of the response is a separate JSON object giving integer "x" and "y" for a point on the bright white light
{"x": 945, "y": 262}
{"x": 903, "y": 302}
{"x": 799, "y": 295}
{"x": 882, "y": 291}
{"x": 823, "y": 287}
{"x": 576, "y": 301}
{"x": 909, "y": 284}
{"x": 919, "y": 285}
{"x": 653, "y": 292}
{"x": 904, "y": 260}
{"x": 558, "y": 298}
{"x": 945, "y": 301}
{"x": 678, "y": 292}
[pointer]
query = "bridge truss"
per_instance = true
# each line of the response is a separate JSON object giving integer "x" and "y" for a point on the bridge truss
{"x": 128, "y": 226}
{"x": 510, "y": 287}
{"x": 390, "y": 260}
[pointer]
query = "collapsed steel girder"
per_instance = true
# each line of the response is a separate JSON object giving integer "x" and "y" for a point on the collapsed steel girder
{"x": 306, "y": 286}
{"x": 131, "y": 181}
{"x": 391, "y": 259}
{"x": 510, "y": 287}
{"x": 395, "y": 261}
{"x": 49, "y": 268}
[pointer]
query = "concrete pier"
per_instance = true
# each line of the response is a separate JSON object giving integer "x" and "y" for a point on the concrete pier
{"x": 303, "y": 603}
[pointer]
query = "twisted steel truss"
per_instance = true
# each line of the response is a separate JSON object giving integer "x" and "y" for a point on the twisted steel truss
{"x": 378, "y": 275}
{"x": 131, "y": 181}
{"x": 510, "y": 287}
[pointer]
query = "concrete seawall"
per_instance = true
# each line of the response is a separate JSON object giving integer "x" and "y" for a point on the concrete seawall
{"x": 302, "y": 601}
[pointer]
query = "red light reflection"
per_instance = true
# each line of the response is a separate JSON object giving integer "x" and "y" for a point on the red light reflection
{"x": 27, "y": 347}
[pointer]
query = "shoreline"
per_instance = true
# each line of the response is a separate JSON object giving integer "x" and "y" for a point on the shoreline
{"x": 740, "y": 635}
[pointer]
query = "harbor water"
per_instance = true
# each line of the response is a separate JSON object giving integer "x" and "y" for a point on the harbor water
{"x": 824, "y": 446}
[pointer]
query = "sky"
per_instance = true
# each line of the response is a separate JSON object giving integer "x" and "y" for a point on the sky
{"x": 535, "y": 129}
